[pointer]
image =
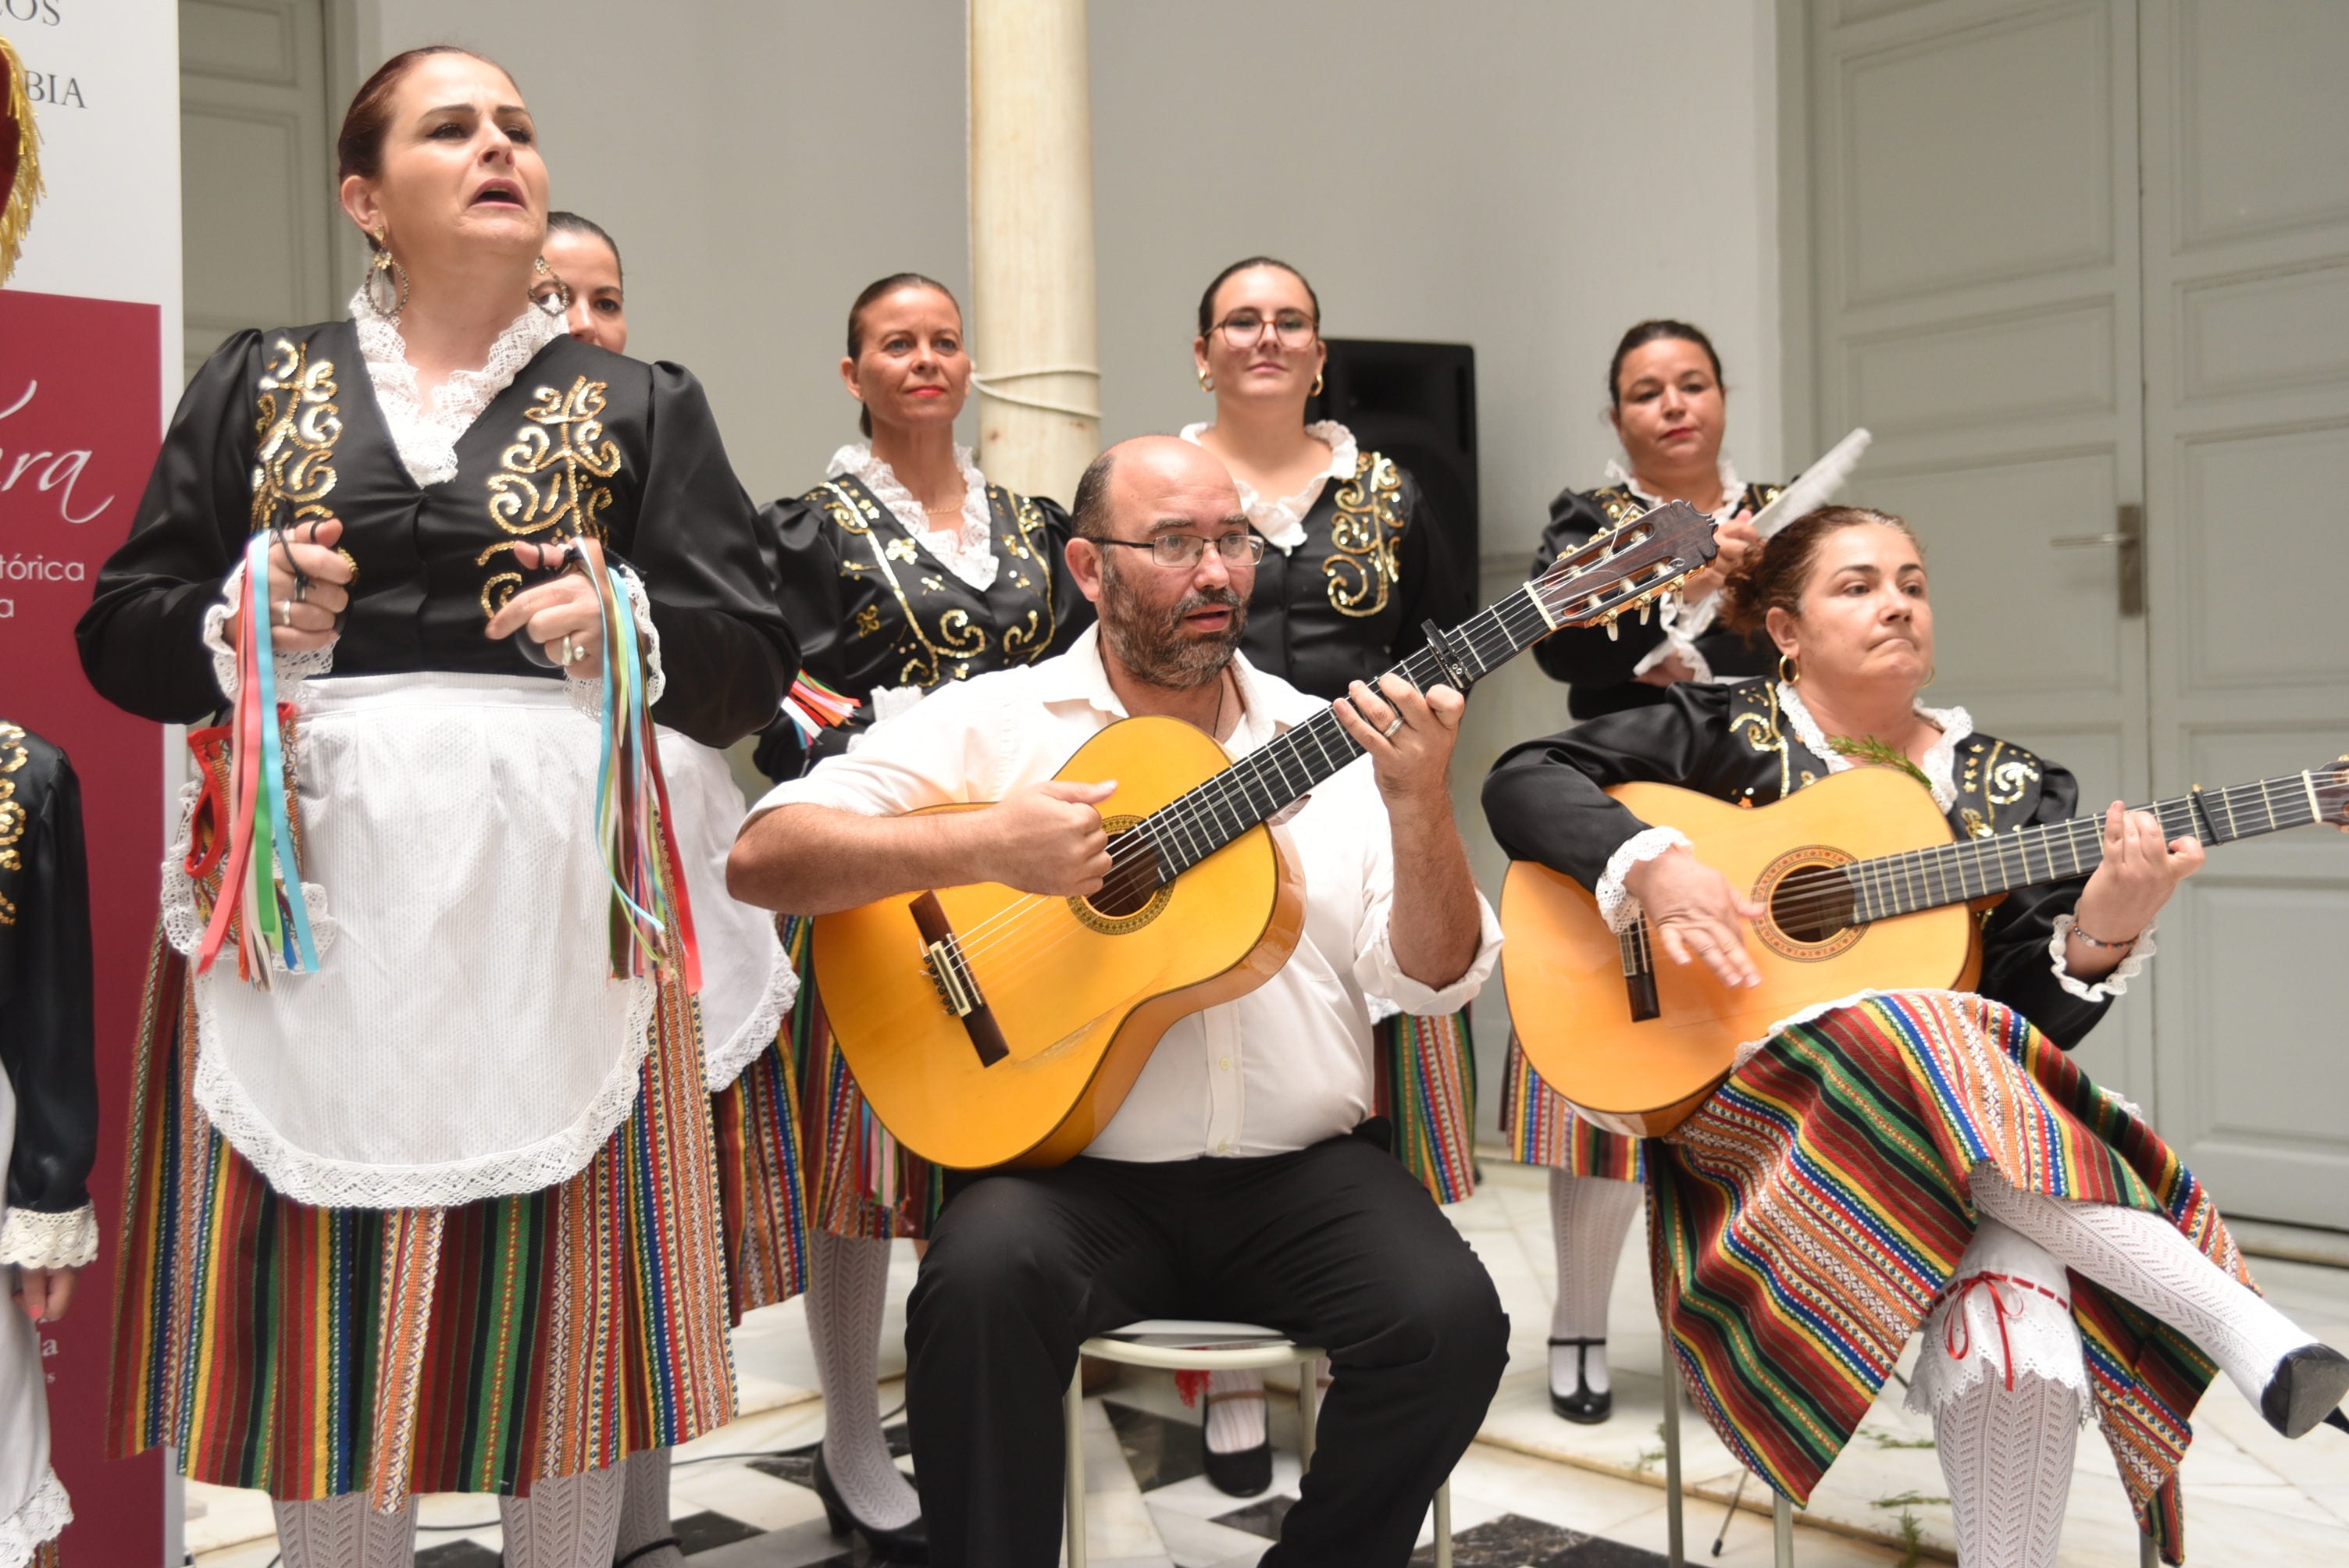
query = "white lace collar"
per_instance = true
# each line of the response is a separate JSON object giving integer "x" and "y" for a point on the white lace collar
{"x": 967, "y": 550}
{"x": 1733, "y": 489}
{"x": 426, "y": 442}
{"x": 1938, "y": 766}
{"x": 1282, "y": 522}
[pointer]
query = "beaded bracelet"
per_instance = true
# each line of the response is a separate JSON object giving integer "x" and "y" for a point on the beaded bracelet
{"x": 2121, "y": 946}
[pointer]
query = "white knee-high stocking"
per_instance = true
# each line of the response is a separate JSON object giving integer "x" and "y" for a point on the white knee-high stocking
{"x": 1589, "y": 1216}
{"x": 345, "y": 1531}
{"x": 2006, "y": 1455}
{"x": 643, "y": 1513}
{"x": 2144, "y": 1259}
{"x": 571, "y": 1522}
{"x": 848, "y": 1286}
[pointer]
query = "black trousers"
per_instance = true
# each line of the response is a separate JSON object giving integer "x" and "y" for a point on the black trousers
{"x": 1334, "y": 1245}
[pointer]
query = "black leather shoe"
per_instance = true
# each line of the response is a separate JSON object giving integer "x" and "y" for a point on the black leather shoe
{"x": 2308, "y": 1383}
{"x": 907, "y": 1543}
{"x": 1582, "y": 1407}
{"x": 1246, "y": 1473}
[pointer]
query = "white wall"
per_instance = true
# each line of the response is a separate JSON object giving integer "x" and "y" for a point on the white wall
{"x": 1498, "y": 173}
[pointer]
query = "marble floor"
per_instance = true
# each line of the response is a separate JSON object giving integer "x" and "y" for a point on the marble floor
{"x": 1532, "y": 1491}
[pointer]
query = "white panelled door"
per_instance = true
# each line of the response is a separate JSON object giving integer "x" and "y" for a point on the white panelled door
{"x": 256, "y": 172}
{"x": 1975, "y": 281}
{"x": 2246, "y": 243}
{"x": 2083, "y": 265}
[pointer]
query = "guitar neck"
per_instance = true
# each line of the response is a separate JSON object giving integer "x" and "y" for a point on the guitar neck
{"x": 2060, "y": 851}
{"x": 1277, "y": 775}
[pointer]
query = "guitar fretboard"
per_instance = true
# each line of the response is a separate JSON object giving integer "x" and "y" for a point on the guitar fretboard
{"x": 1265, "y": 782}
{"x": 1900, "y": 884}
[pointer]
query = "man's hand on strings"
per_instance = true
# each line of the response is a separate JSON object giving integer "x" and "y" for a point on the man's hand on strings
{"x": 1409, "y": 735}
{"x": 563, "y": 617}
{"x": 310, "y": 589}
{"x": 1046, "y": 839}
{"x": 1696, "y": 914}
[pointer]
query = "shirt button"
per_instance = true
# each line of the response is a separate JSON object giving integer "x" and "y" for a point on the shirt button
{"x": 1226, "y": 1064}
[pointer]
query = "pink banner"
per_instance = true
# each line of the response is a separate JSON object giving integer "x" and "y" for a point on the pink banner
{"x": 78, "y": 397}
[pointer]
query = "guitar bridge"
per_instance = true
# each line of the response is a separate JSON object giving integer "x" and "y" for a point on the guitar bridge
{"x": 1638, "y": 970}
{"x": 958, "y": 987}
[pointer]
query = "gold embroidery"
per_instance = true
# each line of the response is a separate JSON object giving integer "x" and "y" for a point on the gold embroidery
{"x": 13, "y": 755}
{"x": 2009, "y": 779}
{"x": 1974, "y": 823}
{"x": 293, "y": 456}
{"x": 901, "y": 549}
{"x": 924, "y": 664}
{"x": 1029, "y": 538}
{"x": 1767, "y": 738}
{"x": 548, "y": 483}
{"x": 1366, "y": 539}
{"x": 868, "y": 620}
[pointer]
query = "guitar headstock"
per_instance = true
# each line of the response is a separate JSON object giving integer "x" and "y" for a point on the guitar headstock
{"x": 1626, "y": 567}
{"x": 2328, "y": 791}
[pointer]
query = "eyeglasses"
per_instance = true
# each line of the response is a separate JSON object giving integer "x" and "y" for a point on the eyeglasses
{"x": 1245, "y": 329}
{"x": 1182, "y": 551}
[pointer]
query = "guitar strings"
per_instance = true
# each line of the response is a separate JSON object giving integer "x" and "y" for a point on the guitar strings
{"x": 1198, "y": 815}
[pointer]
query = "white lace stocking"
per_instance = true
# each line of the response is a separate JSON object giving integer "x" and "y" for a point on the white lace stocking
{"x": 1589, "y": 1216}
{"x": 345, "y": 1531}
{"x": 643, "y": 1511}
{"x": 570, "y": 1521}
{"x": 2143, "y": 1258}
{"x": 848, "y": 1285}
{"x": 2006, "y": 1455}
{"x": 1235, "y": 1425}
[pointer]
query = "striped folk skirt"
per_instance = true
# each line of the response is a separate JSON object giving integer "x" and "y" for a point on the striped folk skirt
{"x": 314, "y": 1352}
{"x": 861, "y": 1181}
{"x": 1542, "y": 1129}
{"x": 1805, "y": 1219}
{"x": 760, "y": 1201}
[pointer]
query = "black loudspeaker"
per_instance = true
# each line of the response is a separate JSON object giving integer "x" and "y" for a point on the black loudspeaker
{"x": 1415, "y": 402}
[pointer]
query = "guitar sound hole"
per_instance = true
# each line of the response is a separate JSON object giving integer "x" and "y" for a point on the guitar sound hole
{"x": 1812, "y": 904}
{"x": 1131, "y": 883}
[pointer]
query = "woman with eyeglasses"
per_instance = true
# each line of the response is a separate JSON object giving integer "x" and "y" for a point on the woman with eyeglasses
{"x": 903, "y": 571}
{"x": 1667, "y": 403}
{"x": 1351, "y": 568}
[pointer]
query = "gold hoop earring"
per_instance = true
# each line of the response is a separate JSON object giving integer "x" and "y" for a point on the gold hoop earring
{"x": 1788, "y": 674}
{"x": 387, "y": 281}
{"x": 1206, "y": 382}
{"x": 1932, "y": 673}
{"x": 1317, "y": 384}
{"x": 557, "y": 303}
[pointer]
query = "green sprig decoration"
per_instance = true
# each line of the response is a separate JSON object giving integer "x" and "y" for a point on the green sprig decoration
{"x": 1870, "y": 752}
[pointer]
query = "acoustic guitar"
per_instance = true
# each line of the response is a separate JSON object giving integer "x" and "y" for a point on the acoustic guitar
{"x": 987, "y": 1026}
{"x": 1863, "y": 889}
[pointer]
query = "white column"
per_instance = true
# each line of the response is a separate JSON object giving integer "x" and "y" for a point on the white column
{"x": 1031, "y": 245}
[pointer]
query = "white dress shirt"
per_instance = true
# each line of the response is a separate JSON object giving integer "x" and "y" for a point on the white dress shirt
{"x": 1284, "y": 1067}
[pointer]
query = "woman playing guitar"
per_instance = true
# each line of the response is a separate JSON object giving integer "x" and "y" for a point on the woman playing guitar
{"x": 1894, "y": 1160}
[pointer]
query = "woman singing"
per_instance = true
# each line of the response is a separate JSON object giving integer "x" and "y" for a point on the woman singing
{"x": 425, "y": 1204}
{"x": 1351, "y": 570}
{"x": 1914, "y": 1159}
{"x": 1667, "y": 407}
{"x": 904, "y": 570}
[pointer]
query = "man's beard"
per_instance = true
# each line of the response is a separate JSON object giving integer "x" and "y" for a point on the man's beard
{"x": 1152, "y": 648}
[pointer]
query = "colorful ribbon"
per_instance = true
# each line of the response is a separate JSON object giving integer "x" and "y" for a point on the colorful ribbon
{"x": 813, "y": 707}
{"x": 260, "y": 888}
{"x": 649, "y": 900}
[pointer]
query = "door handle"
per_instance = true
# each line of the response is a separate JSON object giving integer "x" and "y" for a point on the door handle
{"x": 2128, "y": 541}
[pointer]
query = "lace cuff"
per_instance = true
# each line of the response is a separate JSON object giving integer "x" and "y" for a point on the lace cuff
{"x": 587, "y": 691}
{"x": 1617, "y": 907}
{"x": 32, "y": 1239}
{"x": 292, "y": 668}
{"x": 1676, "y": 642}
{"x": 2113, "y": 985}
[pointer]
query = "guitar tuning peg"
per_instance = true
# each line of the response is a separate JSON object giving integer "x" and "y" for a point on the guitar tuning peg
{"x": 1645, "y": 606}
{"x": 1612, "y": 632}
